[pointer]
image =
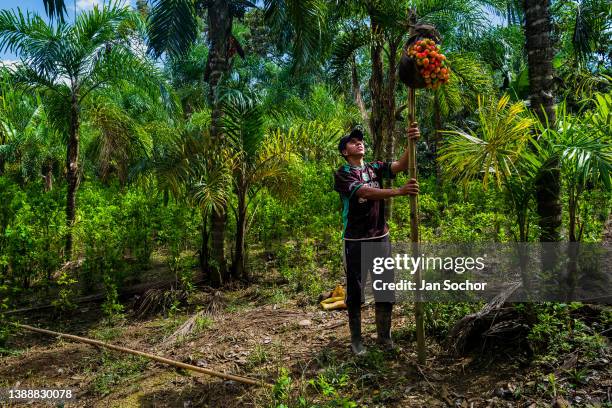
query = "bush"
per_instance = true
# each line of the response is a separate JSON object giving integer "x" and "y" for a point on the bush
{"x": 101, "y": 239}
{"x": 31, "y": 237}
{"x": 557, "y": 332}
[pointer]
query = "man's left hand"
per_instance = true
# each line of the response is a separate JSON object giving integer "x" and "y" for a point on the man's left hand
{"x": 413, "y": 131}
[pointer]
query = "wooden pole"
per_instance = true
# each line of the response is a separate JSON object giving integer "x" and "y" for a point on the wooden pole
{"x": 414, "y": 231}
{"x": 163, "y": 360}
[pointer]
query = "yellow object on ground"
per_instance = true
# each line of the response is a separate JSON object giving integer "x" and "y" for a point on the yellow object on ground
{"x": 336, "y": 300}
{"x": 332, "y": 300}
{"x": 338, "y": 291}
{"x": 339, "y": 304}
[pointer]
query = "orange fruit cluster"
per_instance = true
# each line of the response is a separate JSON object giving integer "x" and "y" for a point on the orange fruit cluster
{"x": 432, "y": 63}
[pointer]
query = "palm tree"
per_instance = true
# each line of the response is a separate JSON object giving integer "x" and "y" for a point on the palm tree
{"x": 581, "y": 144}
{"x": 261, "y": 161}
{"x": 28, "y": 139}
{"x": 186, "y": 163}
{"x": 540, "y": 54}
{"x": 67, "y": 62}
{"x": 584, "y": 49}
{"x": 210, "y": 192}
{"x": 122, "y": 121}
{"x": 498, "y": 152}
{"x": 454, "y": 101}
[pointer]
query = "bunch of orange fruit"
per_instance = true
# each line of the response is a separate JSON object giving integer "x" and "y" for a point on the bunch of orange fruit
{"x": 431, "y": 62}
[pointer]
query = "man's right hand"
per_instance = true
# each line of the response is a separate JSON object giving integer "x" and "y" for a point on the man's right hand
{"x": 410, "y": 188}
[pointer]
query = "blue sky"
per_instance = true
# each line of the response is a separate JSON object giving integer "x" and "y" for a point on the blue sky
{"x": 36, "y": 6}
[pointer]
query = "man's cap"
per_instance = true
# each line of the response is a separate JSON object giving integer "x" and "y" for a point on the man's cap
{"x": 355, "y": 133}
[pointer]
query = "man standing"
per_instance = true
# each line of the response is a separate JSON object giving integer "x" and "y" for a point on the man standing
{"x": 363, "y": 216}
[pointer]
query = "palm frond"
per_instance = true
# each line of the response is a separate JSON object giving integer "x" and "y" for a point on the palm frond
{"x": 471, "y": 77}
{"x": 120, "y": 141}
{"x": 496, "y": 150}
{"x": 173, "y": 27}
{"x": 345, "y": 46}
{"x": 29, "y": 36}
{"x": 582, "y": 144}
{"x": 592, "y": 23}
{"x": 299, "y": 22}
{"x": 243, "y": 122}
{"x": 55, "y": 9}
{"x": 389, "y": 15}
{"x": 211, "y": 191}
{"x": 273, "y": 164}
{"x": 453, "y": 17}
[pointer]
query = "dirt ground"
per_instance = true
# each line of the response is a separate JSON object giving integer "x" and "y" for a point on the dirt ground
{"x": 253, "y": 337}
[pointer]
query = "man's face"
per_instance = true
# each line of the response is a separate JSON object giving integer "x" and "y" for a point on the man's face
{"x": 354, "y": 147}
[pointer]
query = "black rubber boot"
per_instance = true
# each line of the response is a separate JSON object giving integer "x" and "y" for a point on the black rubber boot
{"x": 354, "y": 313}
{"x": 383, "y": 325}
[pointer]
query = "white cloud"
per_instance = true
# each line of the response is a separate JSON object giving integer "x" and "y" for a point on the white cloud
{"x": 8, "y": 63}
{"x": 87, "y": 4}
{"x": 84, "y": 5}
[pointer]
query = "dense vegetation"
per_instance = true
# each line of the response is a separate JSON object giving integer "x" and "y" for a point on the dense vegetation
{"x": 200, "y": 137}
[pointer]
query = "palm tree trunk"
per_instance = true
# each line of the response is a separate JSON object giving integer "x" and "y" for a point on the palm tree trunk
{"x": 436, "y": 140}
{"x": 376, "y": 91}
{"x": 572, "y": 206}
{"x": 220, "y": 28}
{"x": 239, "y": 270}
{"x": 389, "y": 115}
{"x": 72, "y": 171}
{"x": 48, "y": 176}
{"x": 204, "y": 248}
{"x": 539, "y": 58}
{"x": 357, "y": 94}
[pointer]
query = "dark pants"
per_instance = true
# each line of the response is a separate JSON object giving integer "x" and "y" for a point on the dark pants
{"x": 358, "y": 253}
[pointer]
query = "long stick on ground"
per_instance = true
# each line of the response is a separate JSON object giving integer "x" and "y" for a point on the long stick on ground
{"x": 244, "y": 380}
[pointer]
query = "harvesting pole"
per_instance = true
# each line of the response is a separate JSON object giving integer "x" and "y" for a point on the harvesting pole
{"x": 414, "y": 213}
{"x": 414, "y": 230}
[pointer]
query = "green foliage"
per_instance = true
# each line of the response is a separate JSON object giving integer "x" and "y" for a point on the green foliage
{"x": 297, "y": 263}
{"x": 111, "y": 307}
{"x": 138, "y": 214}
{"x": 107, "y": 332}
{"x": 115, "y": 370}
{"x": 448, "y": 216}
{"x": 66, "y": 294}
{"x": 282, "y": 387}
{"x": 100, "y": 235}
{"x": 315, "y": 209}
{"x": 440, "y": 317}
{"x": 330, "y": 385}
{"x": 30, "y": 235}
{"x": 5, "y": 325}
{"x": 202, "y": 323}
{"x": 557, "y": 331}
{"x": 497, "y": 150}
{"x": 152, "y": 175}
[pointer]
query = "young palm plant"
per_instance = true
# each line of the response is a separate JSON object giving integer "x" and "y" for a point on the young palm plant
{"x": 123, "y": 120}
{"x": 498, "y": 152}
{"x": 28, "y": 141}
{"x": 581, "y": 144}
{"x": 68, "y": 62}
{"x": 262, "y": 161}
